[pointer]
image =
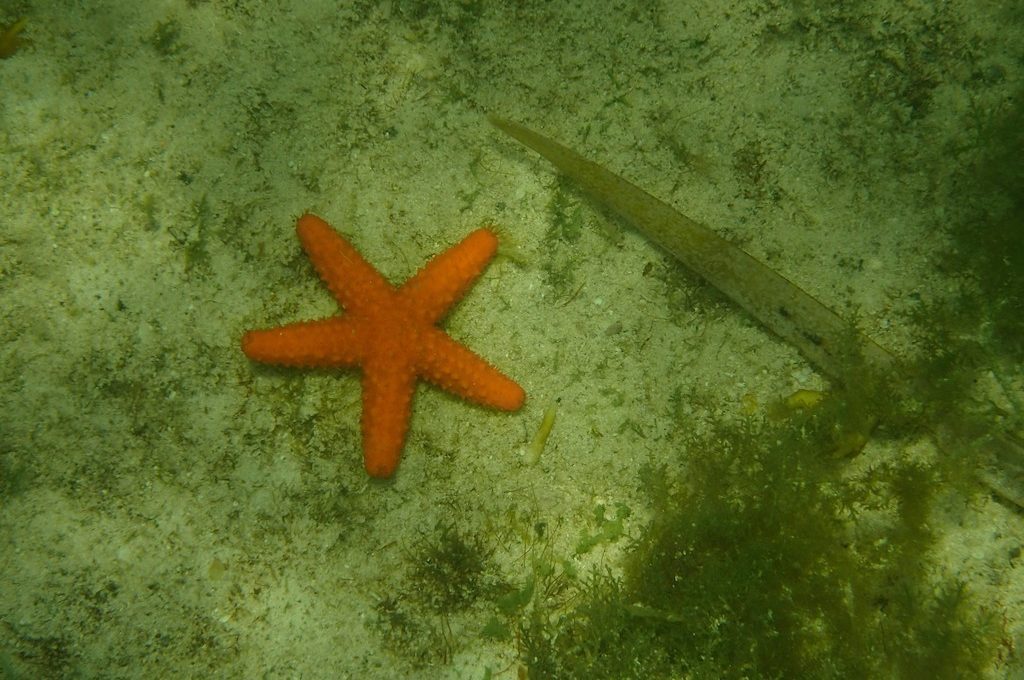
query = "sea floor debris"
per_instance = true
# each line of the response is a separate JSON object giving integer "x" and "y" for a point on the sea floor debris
{"x": 833, "y": 345}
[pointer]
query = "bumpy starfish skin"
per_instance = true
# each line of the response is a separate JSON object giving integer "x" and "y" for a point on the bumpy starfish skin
{"x": 390, "y": 333}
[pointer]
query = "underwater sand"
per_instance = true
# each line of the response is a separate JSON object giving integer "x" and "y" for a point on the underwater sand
{"x": 169, "y": 507}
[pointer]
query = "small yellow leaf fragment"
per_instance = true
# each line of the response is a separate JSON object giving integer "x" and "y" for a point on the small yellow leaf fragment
{"x": 804, "y": 399}
{"x": 850, "y": 444}
{"x": 216, "y": 570}
{"x": 532, "y": 454}
{"x": 801, "y": 400}
{"x": 749, "y": 404}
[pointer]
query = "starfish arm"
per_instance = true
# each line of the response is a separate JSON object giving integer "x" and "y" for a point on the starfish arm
{"x": 388, "y": 388}
{"x": 457, "y": 369}
{"x": 353, "y": 281}
{"x": 447, "y": 277}
{"x": 335, "y": 342}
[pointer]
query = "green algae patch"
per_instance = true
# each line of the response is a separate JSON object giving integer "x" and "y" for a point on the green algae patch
{"x": 605, "y": 528}
{"x": 764, "y": 560}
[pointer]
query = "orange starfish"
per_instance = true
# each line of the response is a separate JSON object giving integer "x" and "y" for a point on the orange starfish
{"x": 390, "y": 333}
